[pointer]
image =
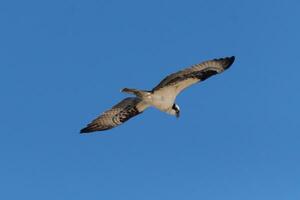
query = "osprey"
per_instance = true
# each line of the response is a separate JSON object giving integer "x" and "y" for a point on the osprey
{"x": 161, "y": 97}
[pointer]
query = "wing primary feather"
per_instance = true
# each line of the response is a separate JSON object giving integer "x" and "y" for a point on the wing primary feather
{"x": 117, "y": 115}
{"x": 89, "y": 129}
{"x": 200, "y": 71}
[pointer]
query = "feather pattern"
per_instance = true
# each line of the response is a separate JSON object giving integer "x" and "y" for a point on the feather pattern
{"x": 195, "y": 73}
{"x": 120, "y": 113}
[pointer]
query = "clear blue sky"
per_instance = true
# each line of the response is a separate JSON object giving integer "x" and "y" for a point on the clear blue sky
{"x": 64, "y": 62}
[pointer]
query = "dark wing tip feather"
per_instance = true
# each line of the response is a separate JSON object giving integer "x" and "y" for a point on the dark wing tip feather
{"x": 85, "y": 130}
{"x": 94, "y": 126}
{"x": 229, "y": 61}
{"x": 91, "y": 129}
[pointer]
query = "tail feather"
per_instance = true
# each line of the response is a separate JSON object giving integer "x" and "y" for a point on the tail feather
{"x": 139, "y": 93}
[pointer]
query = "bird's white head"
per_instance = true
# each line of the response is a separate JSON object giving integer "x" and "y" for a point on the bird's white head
{"x": 175, "y": 110}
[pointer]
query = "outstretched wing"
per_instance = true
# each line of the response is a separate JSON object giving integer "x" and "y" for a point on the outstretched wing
{"x": 199, "y": 72}
{"x": 120, "y": 113}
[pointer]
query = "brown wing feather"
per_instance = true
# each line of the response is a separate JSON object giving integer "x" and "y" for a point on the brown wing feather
{"x": 117, "y": 115}
{"x": 195, "y": 73}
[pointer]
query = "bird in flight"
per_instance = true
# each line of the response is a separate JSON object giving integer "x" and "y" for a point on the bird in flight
{"x": 161, "y": 96}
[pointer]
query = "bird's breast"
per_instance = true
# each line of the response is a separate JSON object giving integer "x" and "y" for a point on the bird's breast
{"x": 162, "y": 100}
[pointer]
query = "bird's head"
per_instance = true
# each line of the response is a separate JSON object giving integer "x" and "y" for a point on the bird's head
{"x": 175, "y": 110}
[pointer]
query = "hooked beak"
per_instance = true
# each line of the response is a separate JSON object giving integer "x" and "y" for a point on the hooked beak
{"x": 177, "y": 115}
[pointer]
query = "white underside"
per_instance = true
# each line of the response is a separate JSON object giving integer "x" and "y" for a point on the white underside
{"x": 164, "y": 98}
{"x": 161, "y": 99}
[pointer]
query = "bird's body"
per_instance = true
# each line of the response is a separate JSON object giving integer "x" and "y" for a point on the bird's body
{"x": 162, "y": 96}
{"x": 160, "y": 99}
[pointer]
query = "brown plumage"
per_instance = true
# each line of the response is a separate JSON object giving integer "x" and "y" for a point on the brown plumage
{"x": 115, "y": 116}
{"x": 198, "y": 72}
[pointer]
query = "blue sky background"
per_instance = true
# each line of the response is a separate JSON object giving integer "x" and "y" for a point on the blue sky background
{"x": 64, "y": 62}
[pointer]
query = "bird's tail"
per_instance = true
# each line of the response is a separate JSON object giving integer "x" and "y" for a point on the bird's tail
{"x": 138, "y": 93}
